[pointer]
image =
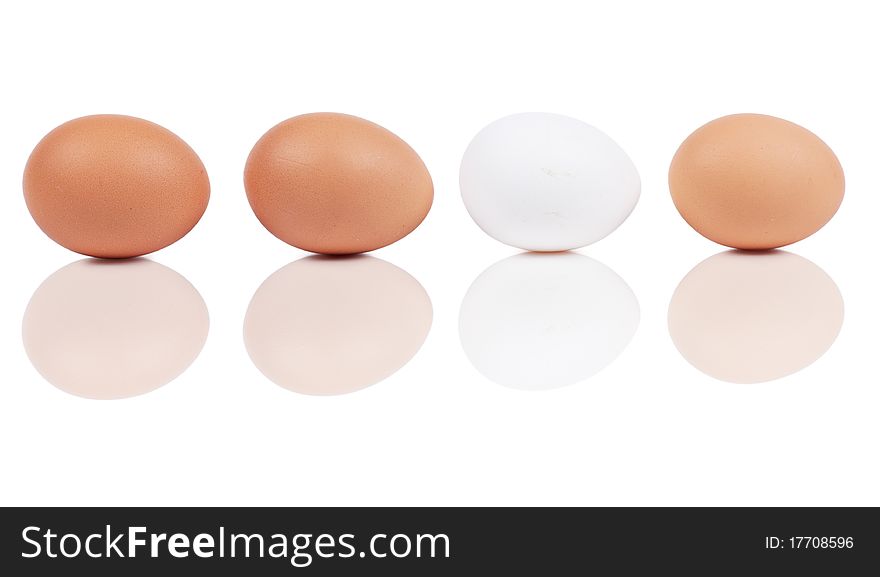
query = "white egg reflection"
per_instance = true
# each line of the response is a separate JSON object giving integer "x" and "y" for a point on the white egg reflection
{"x": 750, "y": 318}
{"x": 334, "y": 325}
{"x": 114, "y": 329}
{"x": 541, "y": 321}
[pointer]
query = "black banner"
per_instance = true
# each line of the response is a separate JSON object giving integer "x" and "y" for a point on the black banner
{"x": 422, "y": 541}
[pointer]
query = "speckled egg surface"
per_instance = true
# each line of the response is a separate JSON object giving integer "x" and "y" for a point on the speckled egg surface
{"x": 755, "y": 182}
{"x": 336, "y": 184}
{"x": 115, "y": 186}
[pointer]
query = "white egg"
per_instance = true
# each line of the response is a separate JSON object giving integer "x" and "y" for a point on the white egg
{"x": 546, "y": 182}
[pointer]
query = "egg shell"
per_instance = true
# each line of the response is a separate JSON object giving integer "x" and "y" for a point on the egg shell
{"x": 115, "y": 186}
{"x": 547, "y": 182}
{"x": 336, "y": 184}
{"x": 755, "y": 182}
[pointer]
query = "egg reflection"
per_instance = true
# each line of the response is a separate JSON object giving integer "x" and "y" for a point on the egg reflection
{"x": 114, "y": 329}
{"x": 541, "y": 321}
{"x": 333, "y": 325}
{"x": 751, "y": 318}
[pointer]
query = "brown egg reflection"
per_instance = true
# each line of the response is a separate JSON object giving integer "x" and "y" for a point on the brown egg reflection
{"x": 751, "y": 318}
{"x": 328, "y": 326}
{"x": 114, "y": 329}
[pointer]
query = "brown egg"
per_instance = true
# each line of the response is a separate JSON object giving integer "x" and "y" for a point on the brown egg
{"x": 755, "y": 182}
{"x": 115, "y": 186}
{"x": 336, "y": 184}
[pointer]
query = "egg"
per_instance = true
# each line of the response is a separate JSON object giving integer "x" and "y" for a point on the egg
{"x": 546, "y": 182}
{"x": 114, "y": 186}
{"x": 755, "y": 182}
{"x": 336, "y": 184}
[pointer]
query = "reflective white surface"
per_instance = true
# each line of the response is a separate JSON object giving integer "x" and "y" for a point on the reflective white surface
{"x": 114, "y": 329}
{"x": 647, "y": 429}
{"x": 331, "y": 325}
{"x": 751, "y": 318}
{"x": 541, "y": 321}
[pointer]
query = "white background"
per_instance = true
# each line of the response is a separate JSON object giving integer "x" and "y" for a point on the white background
{"x": 648, "y": 429}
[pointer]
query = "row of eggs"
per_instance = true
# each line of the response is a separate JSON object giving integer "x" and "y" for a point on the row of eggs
{"x": 115, "y": 186}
